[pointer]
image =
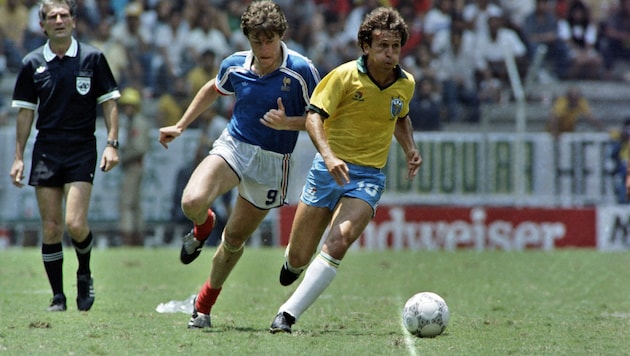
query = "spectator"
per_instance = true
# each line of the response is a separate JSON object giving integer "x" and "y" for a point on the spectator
{"x": 119, "y": 7}
{"x": 150, "y": 17}
{"x": 233, "y": 11}
{"x": 619, "y": 155}
{"x": 4, "y": 113}
{"x": 292, "y": 42}
{"x": 616, "y": 36}
{"x": 326, "y": 49}
{"x": 4, "y": 110}
{"x": 299, "y": 18}
{"x": 170, "y": 42}
{"x": 419, "y": 6}
{"x": 114, "y": 51}
{"x": 490, "y": 89}
{"x": 206, "y": 34}
{"x": 14, "y": 17}
{"x": 205, "y": 70}
{"x": 541, "y": 28}
{"x": 138, "y": 42}
{"x": 105, "y": 11}
{"x": 437, "y": 19}
{"x": 458, "y": 63}
{"x": 3, "y": 55}
{"x": 87, "y": 20}
{"x": 501, "y": 41}
{"x": 33, "y": 34}
{"x": 567, "y": 110}
{"x": 171, "y": 105}
{"x": 580, "y": 35}
{"x": 354, "y": 18}
{"x": 422, "y": 63}
{"x": 517, "y": 11}
{"x": 135, "y": 129}
{"x": 425, "y": 109}
{"x": 414, "y": 19}
{"x": 476, "y": 14}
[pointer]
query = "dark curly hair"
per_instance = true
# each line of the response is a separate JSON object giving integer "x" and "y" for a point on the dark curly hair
{"x": 382, "y": 18}
{"x": 263, "y": 17}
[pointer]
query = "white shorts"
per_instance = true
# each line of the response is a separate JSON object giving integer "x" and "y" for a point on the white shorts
{"x": 263, "y": 175}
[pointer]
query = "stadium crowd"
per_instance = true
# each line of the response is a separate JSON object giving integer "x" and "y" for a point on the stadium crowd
{"x": 167, "y": 49}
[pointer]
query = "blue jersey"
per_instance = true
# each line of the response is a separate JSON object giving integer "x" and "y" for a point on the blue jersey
{"x": 293, "y": 81}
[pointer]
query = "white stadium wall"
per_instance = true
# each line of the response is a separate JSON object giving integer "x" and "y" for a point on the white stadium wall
{"x": 474, "y": 190}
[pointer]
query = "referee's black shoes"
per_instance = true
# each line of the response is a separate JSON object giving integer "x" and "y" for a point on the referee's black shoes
{"x": 85, "y": 292}
{"x": 58, "y": 303}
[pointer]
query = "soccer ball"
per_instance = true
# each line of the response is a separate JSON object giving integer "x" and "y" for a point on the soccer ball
{"x": 425, "y": 315}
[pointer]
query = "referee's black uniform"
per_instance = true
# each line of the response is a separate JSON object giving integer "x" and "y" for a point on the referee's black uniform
{"x": 65, "y": 92}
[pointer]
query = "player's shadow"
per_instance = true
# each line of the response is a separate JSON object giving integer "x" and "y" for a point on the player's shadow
{"x": 222, "y": 329}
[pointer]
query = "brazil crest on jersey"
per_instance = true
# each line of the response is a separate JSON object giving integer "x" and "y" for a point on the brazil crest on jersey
{"x": 293, "y": 81}
{"x": 360, "y": 115}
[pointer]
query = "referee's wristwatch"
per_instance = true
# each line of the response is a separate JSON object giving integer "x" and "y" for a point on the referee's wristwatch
{"x": 112, "y": 143}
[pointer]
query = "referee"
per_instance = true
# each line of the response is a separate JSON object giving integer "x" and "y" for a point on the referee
{"x": 64, "y": 80}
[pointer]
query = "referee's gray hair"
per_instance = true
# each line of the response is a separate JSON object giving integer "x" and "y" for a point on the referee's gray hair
{"x": 43, "y": 4}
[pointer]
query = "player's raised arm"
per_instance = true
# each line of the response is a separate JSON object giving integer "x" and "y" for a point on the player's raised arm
{"x": 202, "y": 100}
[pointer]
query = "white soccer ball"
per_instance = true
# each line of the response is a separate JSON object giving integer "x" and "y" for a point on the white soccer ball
{"x": 425, "y": 315}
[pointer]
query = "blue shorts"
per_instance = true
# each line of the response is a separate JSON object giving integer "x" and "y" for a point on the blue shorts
{"x": 321, "y": 190}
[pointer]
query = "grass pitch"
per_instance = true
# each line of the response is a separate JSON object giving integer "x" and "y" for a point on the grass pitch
{"x": 566, "y": 302}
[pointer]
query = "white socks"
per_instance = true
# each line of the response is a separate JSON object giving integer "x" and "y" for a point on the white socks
{"x": 318, "y": 276}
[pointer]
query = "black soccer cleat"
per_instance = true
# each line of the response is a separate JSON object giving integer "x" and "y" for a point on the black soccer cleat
{"x": 287, "y": 277}
{"x": 282, "y": 323}
{"x": 58, "y": 303}
{"x": 85, "y": 292}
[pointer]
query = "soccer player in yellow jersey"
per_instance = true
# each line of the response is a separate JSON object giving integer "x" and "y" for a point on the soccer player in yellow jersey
{"x": 353, "y": 114}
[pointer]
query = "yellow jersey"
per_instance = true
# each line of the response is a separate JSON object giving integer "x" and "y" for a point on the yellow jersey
{"x": 360, "y": 117}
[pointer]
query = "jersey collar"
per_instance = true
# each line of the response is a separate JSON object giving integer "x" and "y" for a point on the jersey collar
{"x": 72, "y": 51}
{"x": 249, "y": 60}
{"x": 362, "y": 67}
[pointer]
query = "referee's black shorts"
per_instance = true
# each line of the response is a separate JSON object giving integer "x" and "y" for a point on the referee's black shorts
{"x": 54, "y": 164}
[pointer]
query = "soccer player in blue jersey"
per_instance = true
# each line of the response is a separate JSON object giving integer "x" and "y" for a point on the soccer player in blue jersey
{"x": 64, "y": 80}
{"x": 353, "y": 114}
{"x": 271, "y": 85}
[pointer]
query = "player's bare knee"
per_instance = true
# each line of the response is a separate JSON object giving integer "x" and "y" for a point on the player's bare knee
{"x": 191, "y": 206}
{"x": 76, "y": 230}
{"x": 300, "y": 259}
{"x": 231, "y": 245}
{"x": 52, "y": 228}
{"x": 336, "y": 250}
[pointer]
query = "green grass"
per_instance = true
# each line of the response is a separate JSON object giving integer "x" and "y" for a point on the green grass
{"x": 567, "y": 302}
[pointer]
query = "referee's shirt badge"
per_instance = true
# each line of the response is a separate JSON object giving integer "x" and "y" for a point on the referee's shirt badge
{"x": 83, "y": 85}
